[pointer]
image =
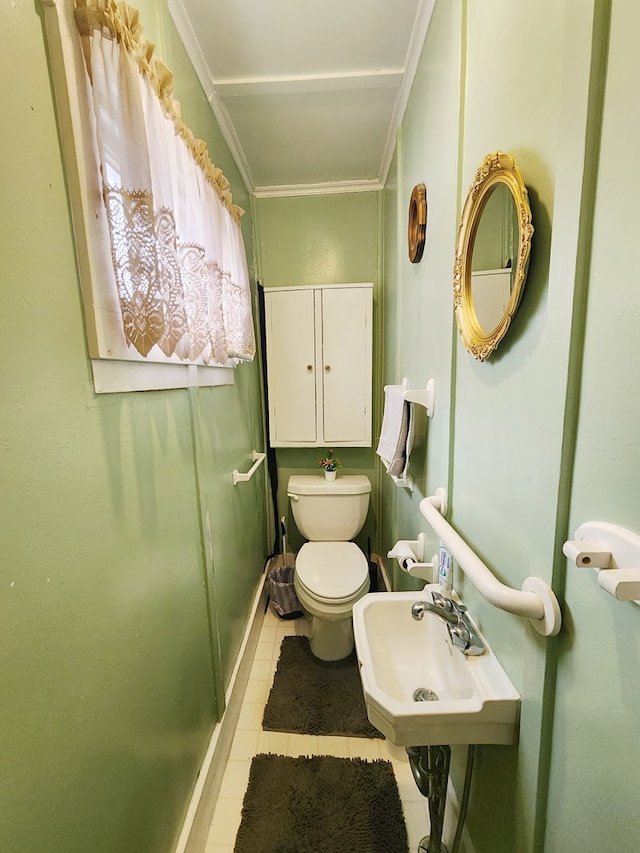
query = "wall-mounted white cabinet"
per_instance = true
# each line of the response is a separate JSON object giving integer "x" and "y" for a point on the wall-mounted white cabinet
{"x": 319, "y": 342}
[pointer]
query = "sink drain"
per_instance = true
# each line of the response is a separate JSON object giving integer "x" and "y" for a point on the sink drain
{"x": 423, "y": 694}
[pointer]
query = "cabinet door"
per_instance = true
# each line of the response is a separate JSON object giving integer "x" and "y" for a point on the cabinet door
{"x": 346, "y": 365}
{"x": 291, "y": 366}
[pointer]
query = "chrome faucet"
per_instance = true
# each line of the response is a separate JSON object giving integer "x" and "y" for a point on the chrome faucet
{"x": 461, "y": 630}
{"x": 421, "y": 607}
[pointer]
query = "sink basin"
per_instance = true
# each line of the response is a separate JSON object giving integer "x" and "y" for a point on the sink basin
{"x": 400, "y": 657}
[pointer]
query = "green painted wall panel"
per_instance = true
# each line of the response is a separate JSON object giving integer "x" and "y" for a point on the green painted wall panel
{"x": 496, "y": 429}
{"x": 596, "y": 713}
{"x": 515, "y": 76}
{"x": 236, "y": 514}
{"x": 390, "y": 302}
{"x": 420, "y": 346}
{"x": 329, "y": 239}
{"x": 108, "y": 697}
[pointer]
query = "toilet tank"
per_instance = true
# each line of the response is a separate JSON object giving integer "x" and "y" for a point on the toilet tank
{"x": 329, "y": 511}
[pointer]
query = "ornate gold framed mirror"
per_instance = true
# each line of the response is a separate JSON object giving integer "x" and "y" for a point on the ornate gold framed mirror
{"x": 417, "y": 230}
{"x": 492, "y": 254}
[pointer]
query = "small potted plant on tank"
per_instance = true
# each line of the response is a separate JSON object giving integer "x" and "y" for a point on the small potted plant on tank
{"x": 330, "y": 463}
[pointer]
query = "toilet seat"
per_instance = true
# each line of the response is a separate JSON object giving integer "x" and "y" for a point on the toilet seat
{"x": 332, "y": 572}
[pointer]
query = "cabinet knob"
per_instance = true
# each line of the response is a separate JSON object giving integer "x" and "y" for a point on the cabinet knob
{"x": 309, "y": 368}
{"x": 327, "y": 368}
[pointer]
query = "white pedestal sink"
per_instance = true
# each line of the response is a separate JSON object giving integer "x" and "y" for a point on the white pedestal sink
{"x": 471, "y": 699}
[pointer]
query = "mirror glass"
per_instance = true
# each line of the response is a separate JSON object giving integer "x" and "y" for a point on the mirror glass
{"x": 492, "y": 260}
{"x": 492, "y": 256}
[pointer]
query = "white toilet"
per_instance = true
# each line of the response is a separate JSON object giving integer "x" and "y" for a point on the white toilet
{"x": 331, "y": 572}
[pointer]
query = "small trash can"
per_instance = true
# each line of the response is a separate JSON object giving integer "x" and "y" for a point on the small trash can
{"x": 282, "y": 592}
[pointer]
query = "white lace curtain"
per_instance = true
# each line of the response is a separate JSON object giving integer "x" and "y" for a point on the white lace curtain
{"x": 176, "y": 245}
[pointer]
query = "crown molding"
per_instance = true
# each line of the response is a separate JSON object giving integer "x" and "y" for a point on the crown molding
{"x": 328, "y": 188}
{"x": 192, "y": 47}
{"x": 416, "y": 43}
{"x": 386, "y": 78}
{"x": 228, "y": 131}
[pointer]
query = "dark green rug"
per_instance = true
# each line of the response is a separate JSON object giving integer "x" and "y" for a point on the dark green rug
{"x": 316, "y": 697}
{"x": 321, "y": 804}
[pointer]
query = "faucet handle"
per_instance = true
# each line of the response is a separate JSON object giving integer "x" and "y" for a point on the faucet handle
{"x": 460, "y": 636}
{"x": 448, "y": 604}
{"x": 441, "y": 601}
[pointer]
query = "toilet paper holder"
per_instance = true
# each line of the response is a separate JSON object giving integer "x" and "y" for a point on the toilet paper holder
{"x": 614, "y": 552}
{"x": 410, "y": 555}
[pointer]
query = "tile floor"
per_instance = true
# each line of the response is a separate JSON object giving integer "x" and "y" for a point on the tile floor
{"x": 249, "y": 740}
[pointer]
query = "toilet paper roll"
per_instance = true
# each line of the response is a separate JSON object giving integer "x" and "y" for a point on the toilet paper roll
{"x": 403, "y": 552}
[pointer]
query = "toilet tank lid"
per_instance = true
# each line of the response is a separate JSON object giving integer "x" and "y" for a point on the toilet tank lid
{"x": 315, "y": 484}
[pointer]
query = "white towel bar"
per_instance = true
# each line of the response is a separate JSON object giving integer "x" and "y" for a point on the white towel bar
{"x": 536, "y": 600}
{"x": 423, "y": 396}
{"x": 405, "y": 482}
{"x": 242, "y": 478}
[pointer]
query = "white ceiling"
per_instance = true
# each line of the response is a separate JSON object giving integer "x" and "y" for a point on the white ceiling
{"x": 308, "y": 93}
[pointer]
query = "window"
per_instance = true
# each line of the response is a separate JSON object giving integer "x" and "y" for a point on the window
{"x": 162, "y": 261}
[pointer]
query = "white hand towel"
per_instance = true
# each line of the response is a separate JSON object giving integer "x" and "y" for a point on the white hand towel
{"x": 395, "y": 425}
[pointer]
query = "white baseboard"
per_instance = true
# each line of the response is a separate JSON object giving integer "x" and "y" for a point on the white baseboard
{"x": 195, "y": 828}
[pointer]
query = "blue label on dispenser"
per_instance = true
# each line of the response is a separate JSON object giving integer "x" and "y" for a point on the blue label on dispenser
{"x": 444, "y": 568}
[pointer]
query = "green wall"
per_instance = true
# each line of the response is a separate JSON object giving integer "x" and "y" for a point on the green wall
{"x": 120, "y": 625}
{"x": 596, "y": 752}
{"x": 527, "y": 79}
{"x": 498, "y": 428}
{"x": 418, "y": 317}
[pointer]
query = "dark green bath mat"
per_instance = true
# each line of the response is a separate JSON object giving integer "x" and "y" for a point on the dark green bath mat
{"x": 316, "y": 697}
{"x": 321, "y": 804}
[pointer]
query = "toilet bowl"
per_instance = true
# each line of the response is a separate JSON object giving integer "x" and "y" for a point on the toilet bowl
{"x": 331, "y": 572}
{"x": 329, "y": 578}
